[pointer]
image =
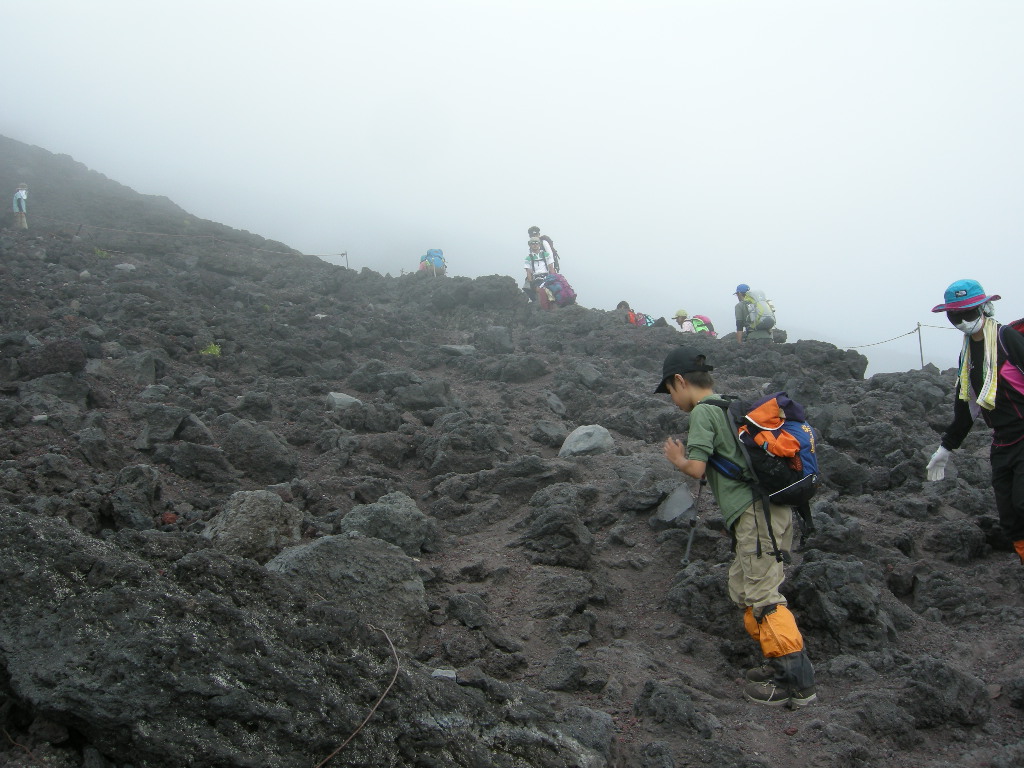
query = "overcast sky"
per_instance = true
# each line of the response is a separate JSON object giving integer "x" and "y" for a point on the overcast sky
{"x": 851, "y": 159}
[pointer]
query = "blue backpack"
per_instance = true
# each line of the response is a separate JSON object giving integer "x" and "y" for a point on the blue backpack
{"x": 433, "y": 259}
{"x": 780, "y": 451}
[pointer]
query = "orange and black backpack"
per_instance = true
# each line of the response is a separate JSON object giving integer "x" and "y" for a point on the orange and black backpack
{"x": 780, "y": 450}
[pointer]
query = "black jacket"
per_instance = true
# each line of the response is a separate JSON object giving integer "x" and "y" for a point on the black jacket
{"x": 1007, "y": 418}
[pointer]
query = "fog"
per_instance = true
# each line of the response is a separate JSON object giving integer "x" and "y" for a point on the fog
{"x": 850, "y": 159}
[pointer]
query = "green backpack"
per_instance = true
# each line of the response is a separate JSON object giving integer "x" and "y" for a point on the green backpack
{"x": 760, "y": 315}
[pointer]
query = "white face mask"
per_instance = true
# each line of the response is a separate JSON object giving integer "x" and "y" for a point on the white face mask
{"x": 972, "y": 327}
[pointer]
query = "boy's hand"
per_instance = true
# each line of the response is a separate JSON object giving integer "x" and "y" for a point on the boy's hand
{"x": 675, "y": 452}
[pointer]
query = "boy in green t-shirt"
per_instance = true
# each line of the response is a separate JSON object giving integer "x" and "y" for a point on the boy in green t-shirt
{"x": 755, "y": 576}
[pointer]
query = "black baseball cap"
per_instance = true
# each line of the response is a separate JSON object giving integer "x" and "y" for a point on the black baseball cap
{"x": 681, "y": 360}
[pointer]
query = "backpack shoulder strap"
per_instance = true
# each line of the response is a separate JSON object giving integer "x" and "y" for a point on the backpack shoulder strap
{"x": 720, "y": 463}
{"x": 723, "y": 403}
{"x": 1002, "y": 343}
{"x": 729, "y": 404}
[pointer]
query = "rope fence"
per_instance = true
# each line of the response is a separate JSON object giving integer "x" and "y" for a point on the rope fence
{"x": 877, "y": 343}
{"x": 917, "y": 330}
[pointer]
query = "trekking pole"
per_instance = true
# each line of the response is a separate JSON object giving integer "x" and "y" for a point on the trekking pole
{"x": 693, "y": 524}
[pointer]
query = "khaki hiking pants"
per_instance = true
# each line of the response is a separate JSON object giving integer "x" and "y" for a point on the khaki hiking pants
{"x": 754, "y": 581}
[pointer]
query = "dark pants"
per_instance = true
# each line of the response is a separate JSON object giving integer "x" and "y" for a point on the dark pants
{"x": 1008, "y": 484}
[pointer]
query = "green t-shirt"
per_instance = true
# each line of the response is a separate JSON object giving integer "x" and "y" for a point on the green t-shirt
{"x": 710, "y": 433}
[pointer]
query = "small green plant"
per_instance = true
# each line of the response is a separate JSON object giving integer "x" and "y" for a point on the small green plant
{"x": 100, "y": 253}
{"x": 213, "y": 349}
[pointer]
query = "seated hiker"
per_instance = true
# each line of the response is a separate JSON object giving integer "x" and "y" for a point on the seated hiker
{"x": 546, "y": 244}
{"x": 639, "y": 318}
{"x": 695, "y": 324}
{"x": 631, "y": 317}
{"x": 539, "y": 264}
{"x": 684, "y": 322}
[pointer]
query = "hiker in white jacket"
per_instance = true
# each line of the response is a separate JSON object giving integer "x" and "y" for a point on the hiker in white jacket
{"x": 21, "y": 207}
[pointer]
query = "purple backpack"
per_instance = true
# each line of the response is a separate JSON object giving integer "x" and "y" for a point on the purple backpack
{"x": 561, "y": 292}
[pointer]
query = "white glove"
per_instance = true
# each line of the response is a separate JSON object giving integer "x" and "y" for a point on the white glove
{"x": 937, "y": 464}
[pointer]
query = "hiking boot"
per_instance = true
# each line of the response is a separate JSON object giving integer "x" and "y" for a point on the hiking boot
{"x": 766, "y": 693}
{"x": 776, "y": 696}
{"x": 803, "y": 698}
{"x": 763, "y": 674}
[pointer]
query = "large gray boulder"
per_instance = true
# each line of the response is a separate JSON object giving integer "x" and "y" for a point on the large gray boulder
{"x": 369, "y": 576}
{"x": 259, "y": 452}
{"x": 256, "y": 524}
{"x": 396, "y": 519}
{"x": 587, "y": 441}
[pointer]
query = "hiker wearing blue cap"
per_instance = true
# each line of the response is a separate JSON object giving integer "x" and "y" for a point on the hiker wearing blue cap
{"x": 990, "y": 382}
{"x": 754, "y": 317}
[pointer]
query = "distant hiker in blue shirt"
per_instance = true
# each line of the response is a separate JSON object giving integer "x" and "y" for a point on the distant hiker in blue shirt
{"x": 21, "y": 207}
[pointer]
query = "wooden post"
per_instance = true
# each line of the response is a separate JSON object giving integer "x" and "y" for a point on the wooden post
{"x": 920, "y": 344}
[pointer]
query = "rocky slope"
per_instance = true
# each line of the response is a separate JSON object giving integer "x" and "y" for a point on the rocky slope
{"x": 251, "y": 499}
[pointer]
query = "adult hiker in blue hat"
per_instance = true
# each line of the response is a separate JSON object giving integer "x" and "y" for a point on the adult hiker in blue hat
{"x": 744, "y": 331}
{"x": 990, "y": 382}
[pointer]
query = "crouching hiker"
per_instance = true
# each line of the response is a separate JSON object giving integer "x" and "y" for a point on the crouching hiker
{"x": 786, "y": 677}
{"x": 990, "y": 383}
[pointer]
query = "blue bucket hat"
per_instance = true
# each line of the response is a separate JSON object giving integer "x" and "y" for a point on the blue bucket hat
{"x": 742, "y": 288}
{"x": 964, "y": 294}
